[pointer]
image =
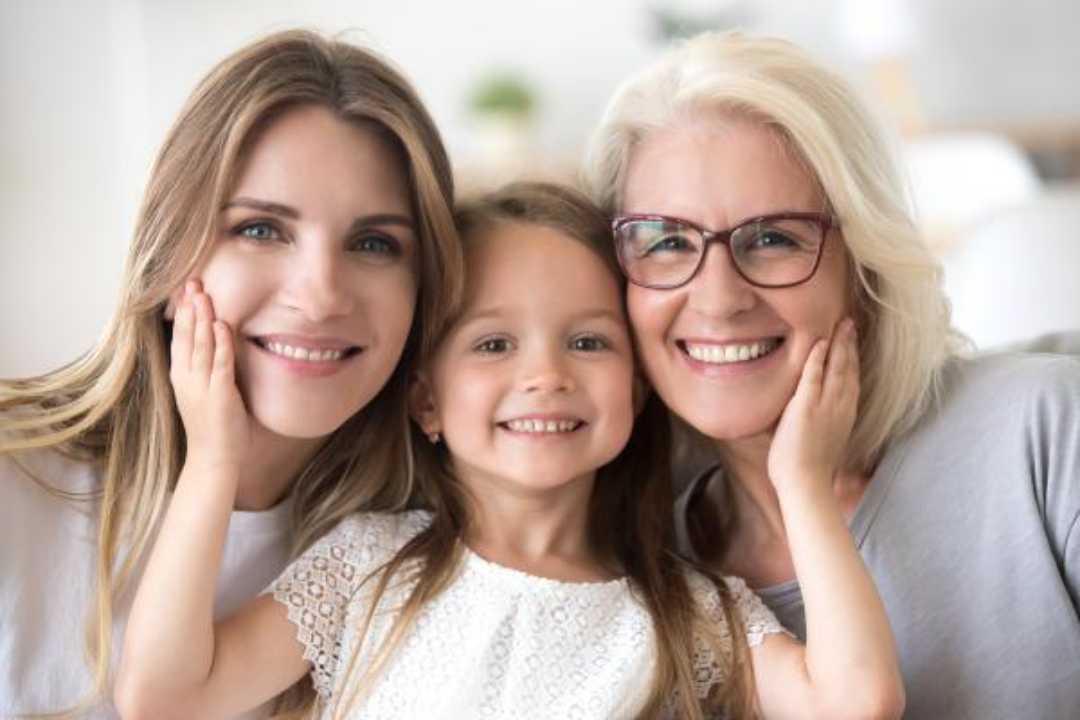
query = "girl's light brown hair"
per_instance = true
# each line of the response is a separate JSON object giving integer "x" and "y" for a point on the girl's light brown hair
{"x": 630, "y": 519}
{"x": 114, "y": 407}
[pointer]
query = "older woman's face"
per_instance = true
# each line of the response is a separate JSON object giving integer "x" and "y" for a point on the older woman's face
{"x": 718, "y": 172}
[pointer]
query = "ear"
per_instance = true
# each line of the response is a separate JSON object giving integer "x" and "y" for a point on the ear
{"x": 422, "y": 408}
{"x": 640, "y": 393}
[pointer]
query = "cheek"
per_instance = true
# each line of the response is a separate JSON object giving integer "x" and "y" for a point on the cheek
{"x": 816, "y": 307}
{"x": 652, "y": 316}
{"x": 390, "y": 300}
{"x": 234, "y": 285}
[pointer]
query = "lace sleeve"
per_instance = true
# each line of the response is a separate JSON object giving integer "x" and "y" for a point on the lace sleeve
{"x": 756, "y": 617}
{"x": 318, "y": 587}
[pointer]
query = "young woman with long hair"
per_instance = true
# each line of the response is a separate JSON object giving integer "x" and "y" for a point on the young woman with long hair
{"x": 305, "y": 190}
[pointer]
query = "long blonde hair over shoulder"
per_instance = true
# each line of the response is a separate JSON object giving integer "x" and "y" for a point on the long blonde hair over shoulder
{"x": 901, "y": 311}
{"x": 114, "y": 407}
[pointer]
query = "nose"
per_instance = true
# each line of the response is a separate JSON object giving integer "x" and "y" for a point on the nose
{"x": 545, "y": 371}
{"x": 318, "y": 285}
{"x": 718, "y": 290}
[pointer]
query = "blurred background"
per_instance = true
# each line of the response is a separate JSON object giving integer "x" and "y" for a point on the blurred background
{"x": 979, "y": 95}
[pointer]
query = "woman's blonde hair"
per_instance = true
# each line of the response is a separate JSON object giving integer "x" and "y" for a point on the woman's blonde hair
{"x": 114, "y": 407}
{"x": 901, "y": 311}
{"x": 627, "y": 521}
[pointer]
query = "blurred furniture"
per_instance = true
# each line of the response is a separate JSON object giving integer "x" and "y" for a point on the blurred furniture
{"x": 959, "y": 179}
{"x": 1016, "y": 274}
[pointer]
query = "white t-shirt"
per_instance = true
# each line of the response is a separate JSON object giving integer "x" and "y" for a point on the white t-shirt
{"x": 497, "y": 643}
{"x": 47, "y": 565}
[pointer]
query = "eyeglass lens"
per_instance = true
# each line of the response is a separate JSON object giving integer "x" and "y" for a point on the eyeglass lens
{"x": 773, "y": 252}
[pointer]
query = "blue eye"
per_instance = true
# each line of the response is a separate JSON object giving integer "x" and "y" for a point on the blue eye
{"x": 492, "y": 346}
{"x": 376, "y": 244}
{"x": 258, "y": 231}
{"x": 589, "y": 343}
{"x": 668, "y": 243}
{"x": 772, "y": 239}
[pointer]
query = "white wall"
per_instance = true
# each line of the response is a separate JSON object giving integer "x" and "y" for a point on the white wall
{"x": 90, "y": 88}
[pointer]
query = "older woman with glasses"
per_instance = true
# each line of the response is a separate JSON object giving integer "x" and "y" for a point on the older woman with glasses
{"x": 755, "y": 207}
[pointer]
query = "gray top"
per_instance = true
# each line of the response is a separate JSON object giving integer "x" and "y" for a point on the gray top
{"x": 969, "y": 528}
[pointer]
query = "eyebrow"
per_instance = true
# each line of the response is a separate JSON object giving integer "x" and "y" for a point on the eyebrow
{"x": 293, "y": 214}
{"x": 499, "y": 310}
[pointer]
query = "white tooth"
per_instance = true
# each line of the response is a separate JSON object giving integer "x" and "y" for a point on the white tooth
{"x": 744, "y": 352}
{"x": 302, "y": 353}
{"x": 289, "y": 351}
{"x": 337, "y": 354}
{"x": 716, "y": 354}
{"x": 274, "y": 348}
{"x": 552, "y": 426}
{"x": 755, "y": 350}
{"x": 535, "y": 425}
{"x": 731, "y": 353}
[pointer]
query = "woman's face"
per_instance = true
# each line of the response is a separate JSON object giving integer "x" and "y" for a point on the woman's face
{"x": 314, "y": 269}
{"x": 717, "y": 172}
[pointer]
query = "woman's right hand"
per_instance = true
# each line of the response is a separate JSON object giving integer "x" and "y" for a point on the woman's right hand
{"x": 203, "y": 377}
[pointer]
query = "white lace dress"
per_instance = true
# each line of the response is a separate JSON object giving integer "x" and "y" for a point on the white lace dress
{"x": 498, "y": 643}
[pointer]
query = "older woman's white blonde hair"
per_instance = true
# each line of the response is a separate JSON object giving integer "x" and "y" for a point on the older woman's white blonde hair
{"x": 900, "y": 307}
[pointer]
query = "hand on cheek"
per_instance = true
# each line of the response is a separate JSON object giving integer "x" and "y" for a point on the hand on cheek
{"x": 203, "y": 377}
{"x": 812, "y": 435}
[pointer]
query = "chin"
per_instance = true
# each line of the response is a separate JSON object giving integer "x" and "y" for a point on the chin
{"x": 307, "y": 424}
{"x": 729, "y": 425}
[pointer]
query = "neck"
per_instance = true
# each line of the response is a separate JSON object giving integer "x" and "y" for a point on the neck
{"x": 541, "y": 531}
{"x": 756, "y": 503}
{"x": 272, "y": 467}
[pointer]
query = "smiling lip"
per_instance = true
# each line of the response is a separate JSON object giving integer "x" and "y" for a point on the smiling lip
{"x": 542, "y": 425}
{"x": 729, "y": 357}
{"x": 307, "y": 356}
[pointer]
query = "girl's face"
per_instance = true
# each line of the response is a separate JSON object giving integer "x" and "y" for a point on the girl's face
{"x": 314, "y": 270}
{"x": 533, "y": 386}
{"x": 718, "y": 172}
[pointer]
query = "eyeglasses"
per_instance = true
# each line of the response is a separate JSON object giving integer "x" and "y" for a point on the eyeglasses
{"x": 772, "y": 251}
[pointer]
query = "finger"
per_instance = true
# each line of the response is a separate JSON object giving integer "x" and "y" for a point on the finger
{"x": 183, "y": 336}
{"x": 836, "y": 369}
{"x": 203, "y": 349}
{"x": 224, "y": 362}
{"x": 854, "y": 370}
{"x": 813, "y": 371}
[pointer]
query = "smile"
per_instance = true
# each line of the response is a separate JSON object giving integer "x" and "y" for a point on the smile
{"x": 306, "y": 353}
{"x": 725, "y": 354}
{"x": 541, "y": 425}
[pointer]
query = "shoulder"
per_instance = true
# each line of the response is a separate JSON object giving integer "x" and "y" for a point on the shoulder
{"x": 756, "y": 619}
{"x": 1008, "y": 393}
{"x": 1005, "y": 377}
{"x": 49, "y": 468}
{"x": 357, "y": 546}
{"x": 374, "y": 537}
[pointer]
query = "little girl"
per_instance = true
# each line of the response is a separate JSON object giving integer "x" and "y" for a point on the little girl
{"x": 535, "y": 578}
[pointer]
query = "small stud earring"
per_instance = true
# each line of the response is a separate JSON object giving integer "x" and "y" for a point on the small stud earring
{"x": 433, "y": 437}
